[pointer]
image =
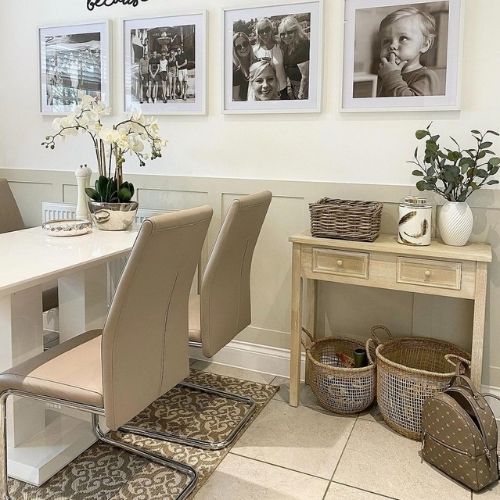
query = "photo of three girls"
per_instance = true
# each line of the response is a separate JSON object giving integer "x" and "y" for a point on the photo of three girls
{"x": 271, "y": 58}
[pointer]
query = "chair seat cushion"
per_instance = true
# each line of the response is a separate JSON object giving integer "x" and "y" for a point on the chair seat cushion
{"x": 71, "y": 371}
{"x": 194, "y": 318}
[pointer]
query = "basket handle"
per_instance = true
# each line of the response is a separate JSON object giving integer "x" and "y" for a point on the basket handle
{"x": 368, "y": 347}
{"x": 374, "y": 335}
{"x": 307, "y": 344}
{"x": 462, "y": 365}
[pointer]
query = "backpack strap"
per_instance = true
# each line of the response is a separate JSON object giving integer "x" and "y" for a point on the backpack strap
{"x": 457, "y": 378}
{"x": 487, "y": 394}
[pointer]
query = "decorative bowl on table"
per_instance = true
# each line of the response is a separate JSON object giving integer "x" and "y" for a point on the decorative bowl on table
{"x": 67, "y": 227}
{"x": 113, "y": 216}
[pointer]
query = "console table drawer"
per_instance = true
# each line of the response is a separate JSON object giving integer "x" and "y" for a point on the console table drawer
{"x": 340, "y": 262}
{"x": 434, "y": 273}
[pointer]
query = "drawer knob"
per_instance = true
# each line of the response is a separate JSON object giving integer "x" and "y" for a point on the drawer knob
{"x": 427, "y": 273}
{"x": 340, "y": 263}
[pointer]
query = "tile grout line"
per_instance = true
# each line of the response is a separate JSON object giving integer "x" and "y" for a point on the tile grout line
{"x": 366, "y": 491}
{"x": 343, "y": 449}
{"x": 277, "y": 465}
{"x": 340, "y": 458}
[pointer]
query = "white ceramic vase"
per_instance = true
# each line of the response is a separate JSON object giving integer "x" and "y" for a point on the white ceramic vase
{"x": 455, "y": 223}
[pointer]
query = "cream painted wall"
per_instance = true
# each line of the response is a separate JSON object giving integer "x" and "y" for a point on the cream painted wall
{"x": 330, "y": 146}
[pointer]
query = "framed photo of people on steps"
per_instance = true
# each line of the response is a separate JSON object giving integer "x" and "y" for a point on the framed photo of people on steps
{"x": 165, "y": 64}
{"x": 272, "y": 58}
{"x": 73, "y": 61}
{"x": 402, "y": 55}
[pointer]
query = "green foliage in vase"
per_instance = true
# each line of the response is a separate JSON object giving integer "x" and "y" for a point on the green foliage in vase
{"x": 455, "y": 173}
{"x": 106, "y": 190}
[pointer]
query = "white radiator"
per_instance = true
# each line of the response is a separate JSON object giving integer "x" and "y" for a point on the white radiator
{"x": 56, "y": 211}
{"x": 59, "y": 210}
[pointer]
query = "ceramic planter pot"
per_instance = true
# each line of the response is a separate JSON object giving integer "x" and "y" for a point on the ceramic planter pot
{"x": 455, "y": 223}
{"x": 113, "y": 216}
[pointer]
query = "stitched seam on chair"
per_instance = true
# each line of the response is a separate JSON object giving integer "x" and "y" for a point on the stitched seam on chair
{"x": 134, "y": 272}
{"x": 241, "y": 273}
{"x": 164, "y": 335}
{"x": 251, "y": 206}
{"x": 182, "y": 225}
{"x": 53, "y": 382}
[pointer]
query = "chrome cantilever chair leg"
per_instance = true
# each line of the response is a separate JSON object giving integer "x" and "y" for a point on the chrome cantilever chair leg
{"x": 4, "y": 487}
{"x": 199, "y": 443}
{"x": 166, "y": 462}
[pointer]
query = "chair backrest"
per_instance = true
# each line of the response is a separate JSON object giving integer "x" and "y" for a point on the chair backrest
{"x": 145, "y": 338}
{"x": 225, "y": 307}
{"x": 10, "y": 216}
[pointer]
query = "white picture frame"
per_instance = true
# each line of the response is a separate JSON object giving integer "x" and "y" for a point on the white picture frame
{"x": 443, "y": 67}
{"x": 73, "y": 60}
{"x": 244, "y": 20}
{"x": 166, "y": 34}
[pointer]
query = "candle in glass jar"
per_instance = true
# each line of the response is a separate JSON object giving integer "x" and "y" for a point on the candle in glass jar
{"x": 415, "y": 218}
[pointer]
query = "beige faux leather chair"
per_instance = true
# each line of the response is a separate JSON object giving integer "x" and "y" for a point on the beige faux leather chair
{"x": 223, "y": 308}
{"x": 11, "y": 220}
{"x": 143, "y": 349}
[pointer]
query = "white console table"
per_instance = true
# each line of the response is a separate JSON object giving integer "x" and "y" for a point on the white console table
{"x": 437, "y": 269}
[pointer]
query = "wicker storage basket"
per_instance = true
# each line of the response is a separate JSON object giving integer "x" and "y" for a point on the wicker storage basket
{"x": 345, "y": 219}
{"x": 409, "y": 370}
{"x": 339, "y": 388}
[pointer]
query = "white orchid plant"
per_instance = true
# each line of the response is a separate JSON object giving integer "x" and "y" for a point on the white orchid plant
{"x": 127, "y": 136}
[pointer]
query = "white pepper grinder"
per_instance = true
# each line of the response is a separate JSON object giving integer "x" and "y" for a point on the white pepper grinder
{"x": 82, "y": 175}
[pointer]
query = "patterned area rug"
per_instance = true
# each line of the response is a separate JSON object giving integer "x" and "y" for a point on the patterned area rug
{"x": 104, "y": 472}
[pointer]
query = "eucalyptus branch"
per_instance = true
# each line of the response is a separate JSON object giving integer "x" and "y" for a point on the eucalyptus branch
{"x": 455, "y": 174}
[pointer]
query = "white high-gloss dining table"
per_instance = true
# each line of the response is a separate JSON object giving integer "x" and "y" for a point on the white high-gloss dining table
{"x": 43, "y": 438}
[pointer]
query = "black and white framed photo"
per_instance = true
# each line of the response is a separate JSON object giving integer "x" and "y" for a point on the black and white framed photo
{"x": 402, "y": 55}
{"x": 73, "y": 60}
{"x": 165, "y": 64}
{"x": 272, "y": 58}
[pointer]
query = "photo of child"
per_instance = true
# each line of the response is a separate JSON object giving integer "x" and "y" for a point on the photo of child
{"x": 403, "y": 51}
{"x": 405, "y": 35}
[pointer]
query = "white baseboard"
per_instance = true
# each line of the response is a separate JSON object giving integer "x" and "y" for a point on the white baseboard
{"x": 253, "y": 357}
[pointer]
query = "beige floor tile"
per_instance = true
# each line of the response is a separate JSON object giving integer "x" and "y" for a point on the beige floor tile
{"x": 379, "y": 460}
{"x": 242, "y": 478}
{"x": 491, "y": 493}
{"x": 306, "y": 396}
{"x": 231, "y": 371}
{"x": 372, "y": 414}
{"x": 297, "y": 438}
{"x": 343, "y": 492}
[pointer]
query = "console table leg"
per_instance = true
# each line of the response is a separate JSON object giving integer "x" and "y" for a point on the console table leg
{"x": 296, "y": 327}
{"x": 311, "y": 294}
{"x": 478, "y": 324}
